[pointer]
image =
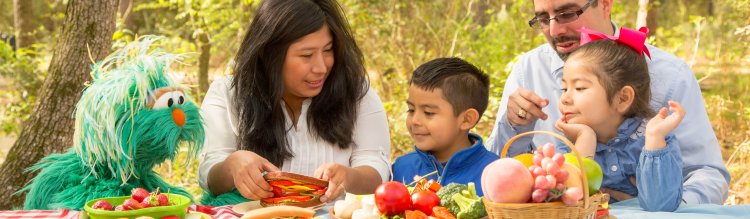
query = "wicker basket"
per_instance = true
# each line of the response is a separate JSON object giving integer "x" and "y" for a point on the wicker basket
{"x": 586, "y": 208}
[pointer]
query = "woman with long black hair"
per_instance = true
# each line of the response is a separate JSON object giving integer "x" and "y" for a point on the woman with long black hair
{"x": 298, "y": 101}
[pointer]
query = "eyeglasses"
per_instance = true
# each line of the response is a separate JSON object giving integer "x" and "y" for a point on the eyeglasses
{"x": 562, "y": 18}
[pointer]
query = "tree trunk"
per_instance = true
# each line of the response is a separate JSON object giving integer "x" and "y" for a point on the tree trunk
{"x": 24, "y": 23}
{"x": 642, "y": 14}
{"x": 49, "y": 129}
{"x": 205, "y": 48}
{"x": 653, "y": 17}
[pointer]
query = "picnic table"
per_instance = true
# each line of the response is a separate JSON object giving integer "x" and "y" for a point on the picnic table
{"x": 622, "y": 210}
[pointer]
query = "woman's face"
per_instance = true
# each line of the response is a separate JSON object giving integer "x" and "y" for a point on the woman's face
{"x": 308, "y": 63}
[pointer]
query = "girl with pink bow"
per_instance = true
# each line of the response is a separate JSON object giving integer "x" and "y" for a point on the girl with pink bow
{"x": 605, "y": 106}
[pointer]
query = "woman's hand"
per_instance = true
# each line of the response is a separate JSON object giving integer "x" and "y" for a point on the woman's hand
{"x": 246, "y": 169}
{"x": 335, "y": 174}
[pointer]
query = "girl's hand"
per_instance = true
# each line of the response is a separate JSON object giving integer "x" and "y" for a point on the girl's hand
{"x": 661, "y": 124}
{"x": 246, "y": 169}
{"x": 335, "y": 174}
{"x": 571, "y": 131}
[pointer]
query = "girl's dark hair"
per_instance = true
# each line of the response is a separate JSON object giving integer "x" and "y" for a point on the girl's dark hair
{"x": 258, "y": 84}
{"x": 618, "y": 65}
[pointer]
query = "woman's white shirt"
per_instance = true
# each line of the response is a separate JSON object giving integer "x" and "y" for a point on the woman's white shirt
{"x": 371, "y": 136}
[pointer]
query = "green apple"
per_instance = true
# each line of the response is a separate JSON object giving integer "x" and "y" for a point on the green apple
{"x": 593, "y": 171}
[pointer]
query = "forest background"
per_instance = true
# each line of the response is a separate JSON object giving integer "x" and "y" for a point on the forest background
{"x": 395, "y": 36}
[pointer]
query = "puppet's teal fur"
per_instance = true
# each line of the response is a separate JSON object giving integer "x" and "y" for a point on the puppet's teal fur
{"x": 118, "y": 141}
{"x": 229, "y": 198}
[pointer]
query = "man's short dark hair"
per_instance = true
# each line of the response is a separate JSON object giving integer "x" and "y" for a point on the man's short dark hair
{"x": 464, "y": 85}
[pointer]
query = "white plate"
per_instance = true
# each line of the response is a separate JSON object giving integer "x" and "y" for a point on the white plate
{"x": 244, "y": 207}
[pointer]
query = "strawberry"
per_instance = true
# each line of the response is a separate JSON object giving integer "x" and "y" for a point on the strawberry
{"x": 120, "y": 208}
{"x": 139, "y": 194}
{"x": 150, "y": 201}
{"x": 131, "y": 204}
{"x": 171, "y": 217}
{"x": 163, "y": 200}
{"x": 102, "y": 205}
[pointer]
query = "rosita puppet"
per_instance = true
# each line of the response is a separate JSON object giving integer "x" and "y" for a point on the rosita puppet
{"x": 132, "y": 117}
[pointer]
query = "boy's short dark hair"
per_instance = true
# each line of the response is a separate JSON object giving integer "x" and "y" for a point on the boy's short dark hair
{"x": 464, "y": 85}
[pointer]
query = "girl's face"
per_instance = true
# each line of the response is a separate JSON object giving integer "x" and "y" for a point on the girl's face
{"x": 308, "y": 63}
{"x": 584, "y": 99}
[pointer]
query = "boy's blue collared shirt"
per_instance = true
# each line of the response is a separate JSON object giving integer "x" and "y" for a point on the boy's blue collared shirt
{"x": 464, "y": 166}
{"x": 658, "y": 172}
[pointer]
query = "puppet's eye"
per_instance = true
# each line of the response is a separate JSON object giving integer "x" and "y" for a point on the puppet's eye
{"x": 168, "y": 99}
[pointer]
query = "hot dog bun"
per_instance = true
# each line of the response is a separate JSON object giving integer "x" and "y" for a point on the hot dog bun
{"x": 279, "y": 211}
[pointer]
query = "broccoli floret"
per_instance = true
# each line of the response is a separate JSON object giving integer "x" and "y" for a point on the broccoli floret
{"x": 470, "y": 205}
{"x": 446, "y": 193}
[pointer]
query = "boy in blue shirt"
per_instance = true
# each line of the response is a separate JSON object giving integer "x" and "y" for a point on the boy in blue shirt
{"x": 447, "y": 97}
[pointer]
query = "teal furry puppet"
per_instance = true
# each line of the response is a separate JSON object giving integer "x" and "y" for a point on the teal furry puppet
{"x": 132, "y": 117}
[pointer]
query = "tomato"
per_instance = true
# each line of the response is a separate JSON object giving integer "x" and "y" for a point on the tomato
{"x": 319, "y": 192}
{"x": 442, "y": 213}
{"x": 392, "y": 198}
{"x": 417, "y": 215}
{"x": 424, "y": 201}
{"x": 278, "y": 192}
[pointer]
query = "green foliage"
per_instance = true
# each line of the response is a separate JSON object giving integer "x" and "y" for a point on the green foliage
{"x": 24, "y": 78}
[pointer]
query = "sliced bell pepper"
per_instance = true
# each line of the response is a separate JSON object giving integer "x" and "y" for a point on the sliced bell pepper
{"x": 603, "y": 212}
{"x": 287, "y": 199}
{"x": 312, "y": 186}
{"x": 433, "y": 186}
{"x": 319, "y": 192}
{"x": 297, "y": 188}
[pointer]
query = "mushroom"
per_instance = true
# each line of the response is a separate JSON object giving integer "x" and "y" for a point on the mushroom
{"x": 367, "y": 211}
{"x": 344, "y": 209}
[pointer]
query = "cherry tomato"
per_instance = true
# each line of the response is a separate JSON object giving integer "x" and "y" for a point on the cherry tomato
{"x": 424, "y": 201}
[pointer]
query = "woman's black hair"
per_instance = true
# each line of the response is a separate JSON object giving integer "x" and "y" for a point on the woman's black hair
{"x": 258, "y": 84}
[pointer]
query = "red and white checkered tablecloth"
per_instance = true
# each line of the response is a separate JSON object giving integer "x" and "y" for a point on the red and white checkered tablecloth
{"x": 222, "y": 212}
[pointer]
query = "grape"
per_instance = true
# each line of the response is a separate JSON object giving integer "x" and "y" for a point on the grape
{"x": 552, "y": 168}
{"x": 539, "y": 152}
{"x": 551, "y": 180}
{"x": 568, "y": 201}
{"x": 532, "y": 167}
{"x": 548, "y": 150}
{"x": 539, "y": 172}
{"x": 560, "y": 186}
{"x": 572, "y": 196}
{"x": 539, "y": 195}
{"x": 559, "y": 159}
{"x": 546, "y": 161}
{"x": 541, "y": 182}
{"x": 537, "y": 159}
{"x": 562, "y": 175}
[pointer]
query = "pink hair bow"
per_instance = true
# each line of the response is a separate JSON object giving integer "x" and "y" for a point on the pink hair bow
{"x": 635, "y": 39}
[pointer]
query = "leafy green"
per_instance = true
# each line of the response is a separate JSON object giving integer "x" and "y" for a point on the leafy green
{"x": 446, "y": 193}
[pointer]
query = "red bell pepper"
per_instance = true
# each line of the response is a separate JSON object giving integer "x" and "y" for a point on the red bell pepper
{"x": 283, "y": 183}
{"x": 288, "y": 198}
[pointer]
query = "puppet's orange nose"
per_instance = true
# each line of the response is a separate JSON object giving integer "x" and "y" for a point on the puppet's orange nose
{"x": 178, "y": 116}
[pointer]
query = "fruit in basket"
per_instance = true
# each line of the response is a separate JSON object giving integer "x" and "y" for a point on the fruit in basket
{"x": 131, "y": 204}
{"x": 139, "y": 194}
{"x": 102, "y": 205}
{"x": 526, "y": 159}
{"x": 593, "y": 171}
{"x": 574, "y": 176}
{"x": 571, "y": 196}
{"x": 507, "y": 181}
{"x": 392, "y": 198}
{"x": 424, "y": 201}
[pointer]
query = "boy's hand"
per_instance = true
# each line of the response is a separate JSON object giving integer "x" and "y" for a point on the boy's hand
{"x": 661, "y": 125}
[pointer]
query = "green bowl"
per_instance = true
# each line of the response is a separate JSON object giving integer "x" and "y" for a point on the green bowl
{"x": 179, "y": 209}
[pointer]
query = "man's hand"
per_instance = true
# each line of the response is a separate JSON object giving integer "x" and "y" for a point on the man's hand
{"x": 524, "y": 100}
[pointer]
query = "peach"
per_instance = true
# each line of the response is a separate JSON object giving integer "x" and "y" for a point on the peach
{"x": 574, "y": 176}
{"x": 507, "y": 181}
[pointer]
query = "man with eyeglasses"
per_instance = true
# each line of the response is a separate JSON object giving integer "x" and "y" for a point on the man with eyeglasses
{"x": 533, "y": 90}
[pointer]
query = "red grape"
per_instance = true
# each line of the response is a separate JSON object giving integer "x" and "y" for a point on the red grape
{"x": 546, "y": 161}
{"x": 539, "y": 195}
{"x": 568, "y": 201}
{"x": 574, "y": 193}
{"x": 537, "y": 159}
{"x": 541, "y": 182}
{"x": 551, "y": 180}
{"x": 559, "y": 159}
{"x": 538, "y": 151}
{"x": 562, "y": 175}
{"x": 552, "y": 168}
{"x": 560, "y": 187}
{"x": 548, "y": 150}
{"x": 539, "y": 172}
